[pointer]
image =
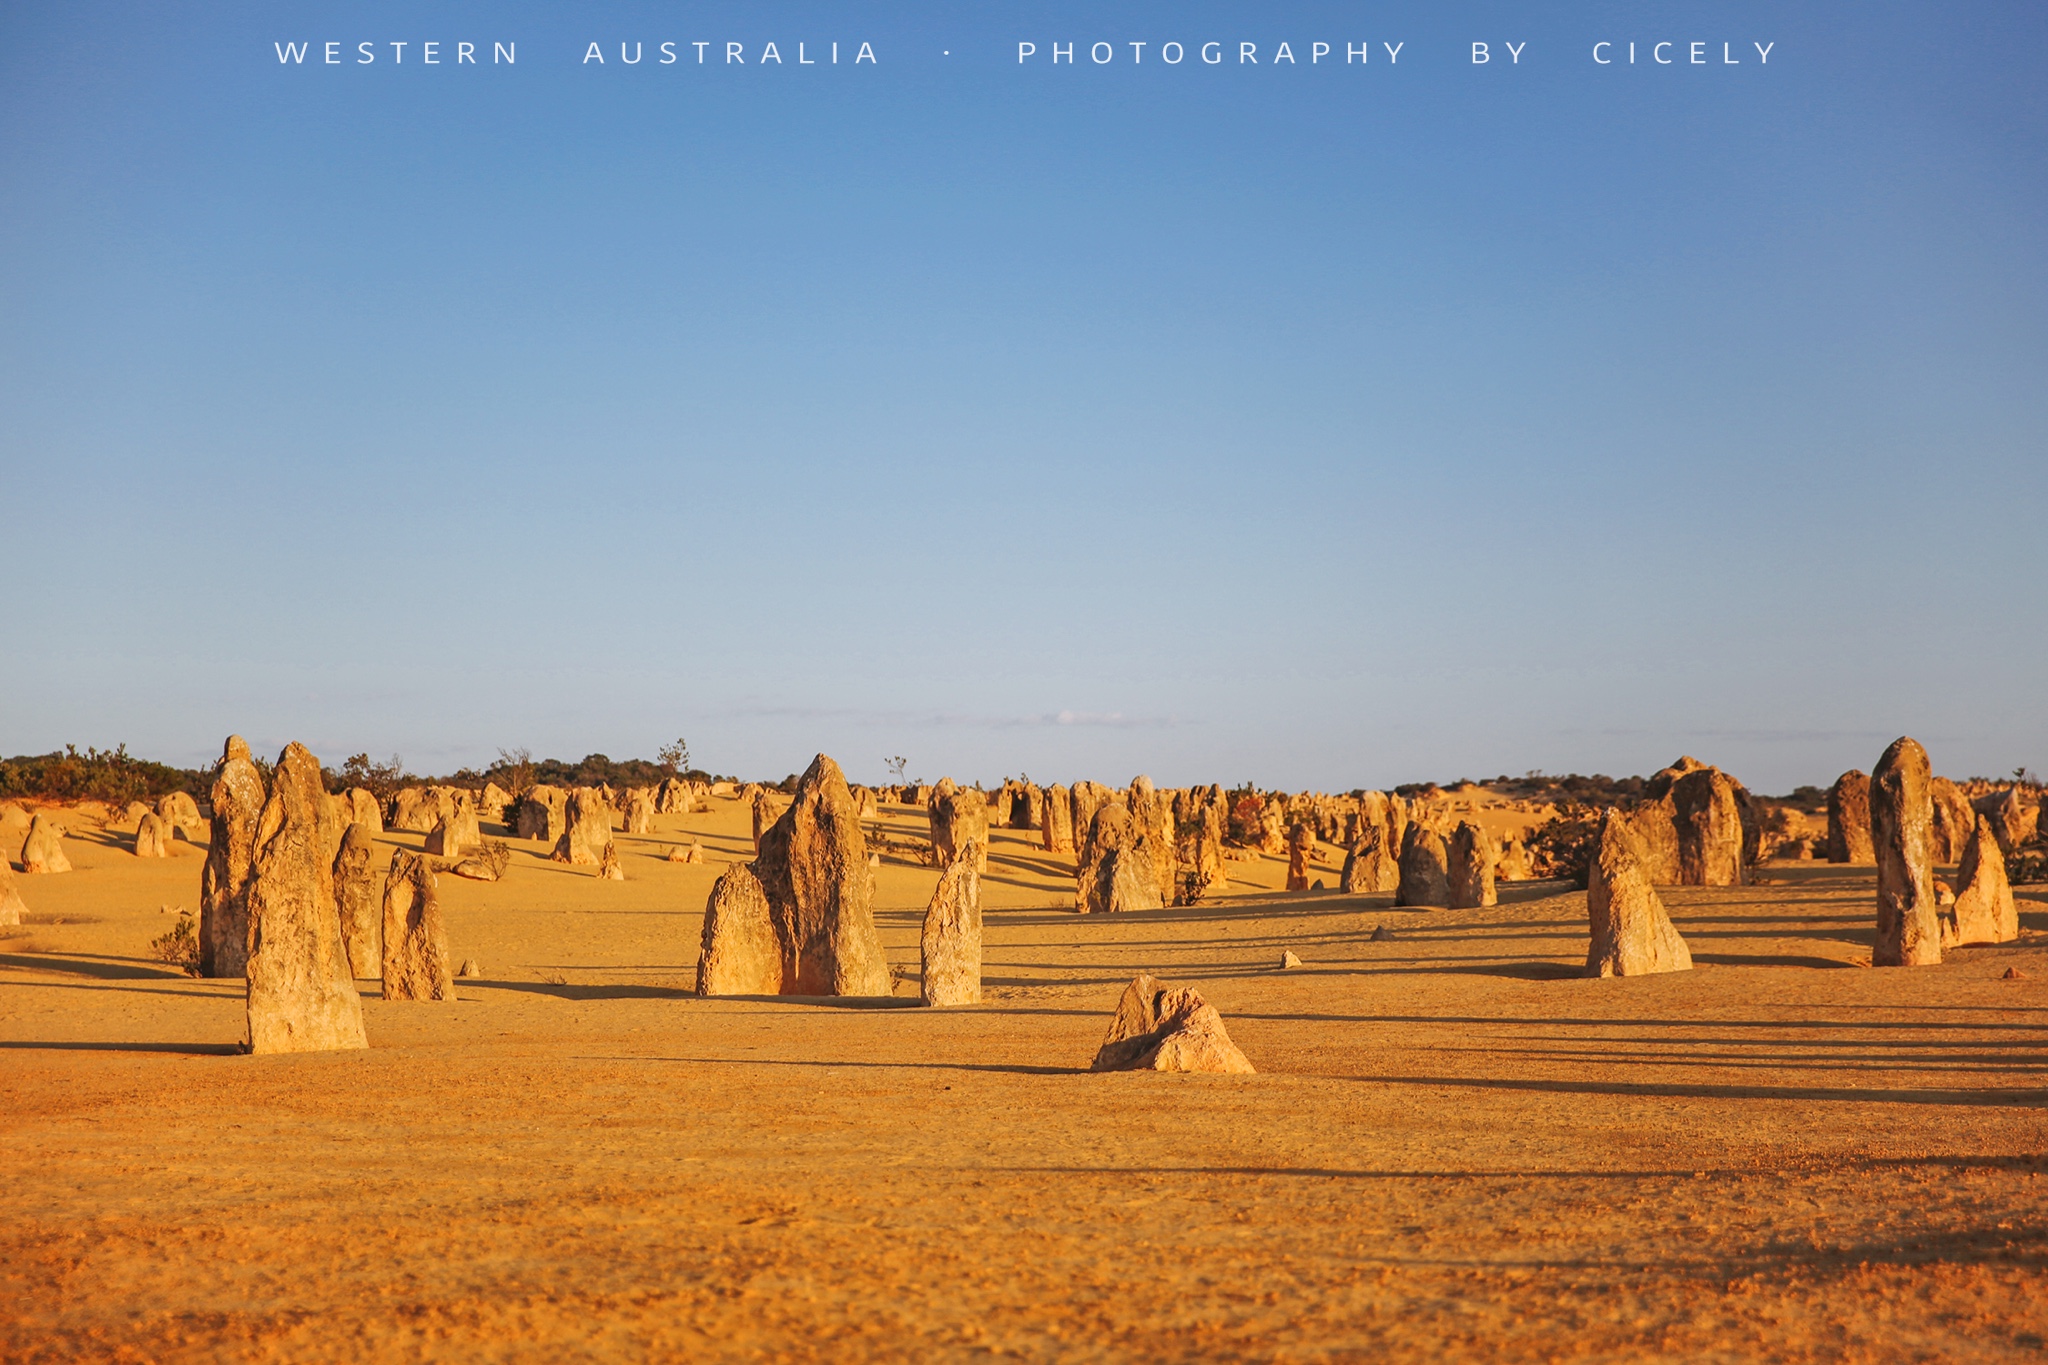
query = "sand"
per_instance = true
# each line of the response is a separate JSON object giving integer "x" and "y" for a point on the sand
{"x": 1454, "y": 1146}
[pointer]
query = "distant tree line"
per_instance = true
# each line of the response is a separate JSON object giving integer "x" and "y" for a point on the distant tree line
{"x": 114, "y": 776}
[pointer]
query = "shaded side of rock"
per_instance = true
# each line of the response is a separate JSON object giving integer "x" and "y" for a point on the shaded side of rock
{"x": 1425, "y": 871}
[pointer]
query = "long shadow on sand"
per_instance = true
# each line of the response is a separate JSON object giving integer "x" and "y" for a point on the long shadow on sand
{"x": 190, "y": 1049}
{"x": 1018, "y": 1070}
{"x": 1985, "y": 1098}
{"x": 93, "y": 965}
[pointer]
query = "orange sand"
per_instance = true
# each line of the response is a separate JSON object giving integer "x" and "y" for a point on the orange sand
{"x": 1453, "y": 1148}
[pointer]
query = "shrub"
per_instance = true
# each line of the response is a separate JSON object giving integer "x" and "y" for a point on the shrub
{"x": 1563, "y": 845}
{"x": 179, "y": 946}
{"x": 111, "y": 775}
{"x": 497, "y": 854}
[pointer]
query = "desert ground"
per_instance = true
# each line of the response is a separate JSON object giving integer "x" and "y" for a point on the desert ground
{"x": 1455, "y": 1146}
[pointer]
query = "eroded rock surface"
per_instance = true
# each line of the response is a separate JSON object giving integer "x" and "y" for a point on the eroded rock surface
{"x": 238, "y": 799}
{"x": 950, "y": 946}
{"x": 1900, "y": 821}
{"x": 301, "y": 995}
{"x": 358, "y": 901}
{"x": 1160, "y": 1029}
{"x": 1631, "y": 933}
{"x": 415, "y": 944}
{"x": 739, "y": 953}
{"x": 814, "y": 868}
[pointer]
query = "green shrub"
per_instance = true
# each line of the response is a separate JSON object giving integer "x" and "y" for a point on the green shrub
{"x": 179, "y": 946}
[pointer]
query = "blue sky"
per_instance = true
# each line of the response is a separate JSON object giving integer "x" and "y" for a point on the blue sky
{"x": 1322, "y": 427}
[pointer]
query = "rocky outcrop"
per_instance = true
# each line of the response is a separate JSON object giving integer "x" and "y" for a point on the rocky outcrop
{"x": 12, "y": 907}
{"x": 1849, "y": 819}
{"x": 1514, "y": 861}
{"x": 958, "y": 818}
{"x": 639, "y": 810}
{"x": 1954, "y": 820}
{"x": 1469, "y": 860}
{"x": 1160, "y": 1029}
{"x": 2012, "y": 820}
{"x": 43, "y": 850}
{"x": 1056, "y": 822}
{"x": 1301, "y": 847}
{"x": 1087, "y": 798}
{"x": 358, "y": 901}
{"x": 587, "y": 829}
{"x": 1707, "y": 816}
{"x": 152, "y": 836}
{"x": 1984, "y": 911}
{"x": 1116, "y": 871}
{"x": 814, "y": 868}
{"x": 739, "y": 953}
{"x": 1901, "y": 813}
{"x": 238, "y": 800}
{"x": 416, "y": 963}
{"x": 1370, "y": 865}
{"x": 674, "y": 797}
{"x": 456, "y": 832}
{"x": 302, "y": 996}
{"x": 1425, "y": 870}
{"x": 1655, "y": 823}
{"x": 1198, "y": 844}
{"x": 1631, "y": 933}
{"x": 180, "y": 814}
{"x": 542, "y": 814}
{"x": 949, "y": 948}
{"x": 762, "y": 809}
{"x": 415, "y": 810}
{"x": 1152, "y": 812}
{"x": 491, "y": 802}
{"x": 364, "y": 810}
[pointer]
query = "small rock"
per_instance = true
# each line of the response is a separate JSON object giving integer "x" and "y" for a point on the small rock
{"x": 2015, "y": 974}
{"x": 1156, "y": 1029}
{"x": 1382, "y": 934}
{"x": 1316, "y": 885}
{"x": 1288, "y": 959}
{"x": 470, "y": 968}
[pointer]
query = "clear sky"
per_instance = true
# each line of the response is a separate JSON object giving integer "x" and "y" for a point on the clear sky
{"x": 1320, "y": 424}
